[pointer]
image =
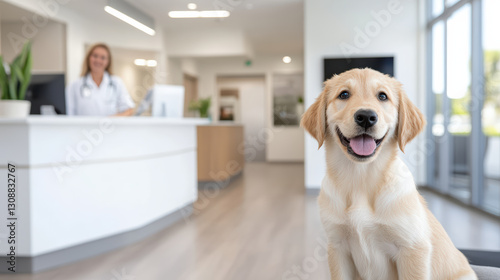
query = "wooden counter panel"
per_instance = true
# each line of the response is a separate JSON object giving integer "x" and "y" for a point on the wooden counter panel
{"x": 220, "y": 152}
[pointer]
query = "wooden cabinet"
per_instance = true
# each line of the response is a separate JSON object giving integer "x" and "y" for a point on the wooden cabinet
{"x": 220, "y": 152}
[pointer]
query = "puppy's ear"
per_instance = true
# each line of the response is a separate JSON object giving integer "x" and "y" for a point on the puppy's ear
{"x": 314, "y": 119}
{"x": 410, "y": 120}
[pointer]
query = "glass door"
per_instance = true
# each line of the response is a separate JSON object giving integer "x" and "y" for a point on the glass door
{"x": 464, "y": 101}
{"x": 451, "y": 94}
{"x": 440, "y": 136}
{"x": 491, "y": 105}
{"x": 458, "y": 93}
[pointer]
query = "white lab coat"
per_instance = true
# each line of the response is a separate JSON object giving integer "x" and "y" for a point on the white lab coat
{"x": 85, "y": 98}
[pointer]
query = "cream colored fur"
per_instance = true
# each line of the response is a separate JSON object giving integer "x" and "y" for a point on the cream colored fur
{"x": 378, "y": 225}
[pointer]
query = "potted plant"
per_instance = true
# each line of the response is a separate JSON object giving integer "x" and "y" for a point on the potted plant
{"x": 201, "y": 105}
{"x": 13, "y": 85}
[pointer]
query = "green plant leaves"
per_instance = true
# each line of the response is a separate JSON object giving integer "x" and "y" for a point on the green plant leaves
{"x": 4, "y": 87}
{"x": 202, "y": 105}
{"x": 14, "y": 86}
{"x": 17, "y": 69}
{"x": 27, "y": 76}
{"x": 25, "y": 52}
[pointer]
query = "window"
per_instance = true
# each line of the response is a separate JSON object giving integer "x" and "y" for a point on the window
{"x": 450, "y": 3}
{"x": 437, "y": 7}
{"x": 438, "y": 82}
{"x": 288, "y": 94}
{"x": 464, "y": 101}
{"x": 491, "y": 106}
{"x": 458, "y": 85}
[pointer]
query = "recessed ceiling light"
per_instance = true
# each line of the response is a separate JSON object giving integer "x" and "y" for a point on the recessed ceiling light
{"x": 287, "y": 59}
{"x": 140, "y": 62}
{"x": 143, "y": 62}
{"x": 151, "y": 63}
{"x": 192, "y": 6}
{"x": 198, "y": 14}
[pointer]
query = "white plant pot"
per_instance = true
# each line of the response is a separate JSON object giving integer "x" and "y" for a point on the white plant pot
{"x": 14, "y": 108}
{"x": 299, "y": 109}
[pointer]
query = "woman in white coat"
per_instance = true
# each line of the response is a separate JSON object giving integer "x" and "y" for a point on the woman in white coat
{"x": 97, "y": 92}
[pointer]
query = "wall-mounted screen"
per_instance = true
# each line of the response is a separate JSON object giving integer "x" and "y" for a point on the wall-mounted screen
{"x": 339, "y": 65}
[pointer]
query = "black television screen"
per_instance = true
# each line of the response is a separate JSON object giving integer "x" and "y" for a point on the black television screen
{"x": 338, "y": 65}
{"x": 47, "y": 89}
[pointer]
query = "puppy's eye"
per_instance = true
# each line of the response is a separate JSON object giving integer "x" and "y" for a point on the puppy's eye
{"x": 382, "y": 96}
{"x": 344, "y": 95}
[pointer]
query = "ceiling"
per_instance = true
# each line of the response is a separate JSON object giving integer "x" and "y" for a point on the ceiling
{"x": 271, "y": 26}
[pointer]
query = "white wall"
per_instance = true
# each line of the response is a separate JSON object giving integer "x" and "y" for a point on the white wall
{"x": 333, "y": 25}
{"x": 286, "y": 145}
{"x": 189, "y": 66}
{"x": 177, "y": 67}
{"x": 48, "y": 45}
{"x": 208, "y": 42}
{"x": 209, "y": 69}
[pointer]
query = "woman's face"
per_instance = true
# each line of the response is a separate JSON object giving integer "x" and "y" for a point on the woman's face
{"x": 99, "y": 60}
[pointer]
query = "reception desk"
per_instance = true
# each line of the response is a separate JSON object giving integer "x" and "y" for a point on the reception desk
{"x": 84, "y": 186}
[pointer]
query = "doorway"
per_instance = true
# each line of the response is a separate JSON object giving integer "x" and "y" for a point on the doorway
{"x": 243, "y": 101}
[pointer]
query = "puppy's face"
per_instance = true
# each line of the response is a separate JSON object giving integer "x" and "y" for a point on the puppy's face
{"x": 361, "y": 109}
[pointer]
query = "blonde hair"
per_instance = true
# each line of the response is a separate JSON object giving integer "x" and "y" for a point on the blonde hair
{"x": 86, "y": 62}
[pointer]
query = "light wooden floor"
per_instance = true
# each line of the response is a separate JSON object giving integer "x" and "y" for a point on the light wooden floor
{"x": 261, "y": 227}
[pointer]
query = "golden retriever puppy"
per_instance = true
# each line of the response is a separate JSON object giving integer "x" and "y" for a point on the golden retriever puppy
{"x": 378, "y": 226}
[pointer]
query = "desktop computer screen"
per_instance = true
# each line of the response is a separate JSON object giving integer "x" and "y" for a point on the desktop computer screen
{"x": 47, "y": 89}
{"x": 168, "y": 101}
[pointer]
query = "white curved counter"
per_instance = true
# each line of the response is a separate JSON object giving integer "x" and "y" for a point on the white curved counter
{"x": 82, "y": 181}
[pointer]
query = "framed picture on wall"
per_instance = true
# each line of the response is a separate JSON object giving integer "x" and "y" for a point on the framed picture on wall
{"x": 226, "y": 113}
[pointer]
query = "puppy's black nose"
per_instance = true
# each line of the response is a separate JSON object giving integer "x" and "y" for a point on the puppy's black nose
{"x": 366, "y": 118}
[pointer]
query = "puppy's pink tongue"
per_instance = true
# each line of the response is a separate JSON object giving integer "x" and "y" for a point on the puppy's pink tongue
{"x": 363, "y": 145}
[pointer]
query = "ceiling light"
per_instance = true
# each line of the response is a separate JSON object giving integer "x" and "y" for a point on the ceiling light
{"x": 192, "y": 6}
{"x": 198, "y": 14}
{"x": 214, "y": 14}
{"x": 184, "y": 14}
{"x": 151, "y": 63}
{"x": 143, "y": 62}
{"x": 287, "y": 59}
{"x": 131, "y": 15}
{"x": 140, "y": 62}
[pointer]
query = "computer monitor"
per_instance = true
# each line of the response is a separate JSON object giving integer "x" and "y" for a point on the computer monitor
{"x": 339, "y": 65}
{"x": 168, "y": 101}
{"x": 47, "y": 89}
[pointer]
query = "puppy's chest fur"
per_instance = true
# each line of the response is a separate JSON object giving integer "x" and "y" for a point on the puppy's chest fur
{"x": 369, "y": 230}
{"x": 358, "y": 225}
